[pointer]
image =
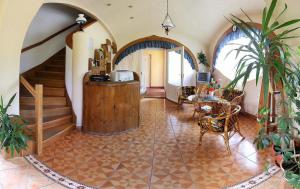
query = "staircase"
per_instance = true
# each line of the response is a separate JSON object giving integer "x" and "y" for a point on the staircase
{"x": 58, "y": 119}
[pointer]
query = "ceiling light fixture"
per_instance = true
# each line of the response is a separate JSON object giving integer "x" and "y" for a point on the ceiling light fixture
{"x": 168, "y": 23}
{"x": 81, "y": 20}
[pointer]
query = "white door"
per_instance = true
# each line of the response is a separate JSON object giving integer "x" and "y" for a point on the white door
{"x": 175, "y": 60}
{"x": 145, "y": 73}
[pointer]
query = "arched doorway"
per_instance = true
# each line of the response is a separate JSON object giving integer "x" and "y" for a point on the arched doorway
{"x": 154, "y": 42}
{"x": 163, "y": 71}
{"x": 13, "y": 31}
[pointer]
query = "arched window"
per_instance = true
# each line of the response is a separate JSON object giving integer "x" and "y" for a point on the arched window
{"x": 226, "y": 59}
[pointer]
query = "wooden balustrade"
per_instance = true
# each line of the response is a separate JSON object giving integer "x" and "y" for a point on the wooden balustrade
{"x": 37, "y": 93}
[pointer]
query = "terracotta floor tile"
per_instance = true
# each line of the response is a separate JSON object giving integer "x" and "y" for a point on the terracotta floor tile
{"x": 164, "y": 153}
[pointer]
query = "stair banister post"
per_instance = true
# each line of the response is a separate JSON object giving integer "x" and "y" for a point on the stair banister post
{"x": 39, "y": 118}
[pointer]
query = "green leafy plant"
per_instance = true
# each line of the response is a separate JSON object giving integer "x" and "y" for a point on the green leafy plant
{"x": 269, "y": 57}
{"x": 12, "y": 136}
{"x": 202, "y": 59}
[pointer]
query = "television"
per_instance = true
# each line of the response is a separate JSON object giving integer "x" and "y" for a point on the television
{"x": 203, "y": 77}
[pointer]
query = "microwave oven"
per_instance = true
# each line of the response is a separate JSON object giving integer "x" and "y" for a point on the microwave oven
{"x": 122, "y": 75}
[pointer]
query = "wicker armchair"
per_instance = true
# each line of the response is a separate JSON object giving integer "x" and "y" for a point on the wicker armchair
{"x": 234, "y": 96}
{"x": 222, "y": 121}
{"x": 184, "y": 92}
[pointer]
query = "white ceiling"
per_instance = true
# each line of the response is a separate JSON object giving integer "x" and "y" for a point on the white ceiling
{"x": 198, "y": 20}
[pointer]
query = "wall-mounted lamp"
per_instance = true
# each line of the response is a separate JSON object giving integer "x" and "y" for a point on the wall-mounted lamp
{"x": 81, "y": 20}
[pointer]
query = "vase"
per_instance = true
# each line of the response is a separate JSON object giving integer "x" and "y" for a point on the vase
{"x": 211, "y": 93}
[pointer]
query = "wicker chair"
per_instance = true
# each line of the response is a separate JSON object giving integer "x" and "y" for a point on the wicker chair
{"x": 222, "y": 121}
{"x": 184, "y": 92}
{"x": 234, "y": 96}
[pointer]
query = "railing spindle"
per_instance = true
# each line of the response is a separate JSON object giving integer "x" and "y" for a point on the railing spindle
{"x": 39, "y": 118}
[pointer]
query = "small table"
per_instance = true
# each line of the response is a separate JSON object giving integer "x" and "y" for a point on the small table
{"x": 195, "y": 99}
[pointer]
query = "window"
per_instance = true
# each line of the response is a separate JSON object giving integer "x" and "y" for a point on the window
{"x": 226, "y": 61}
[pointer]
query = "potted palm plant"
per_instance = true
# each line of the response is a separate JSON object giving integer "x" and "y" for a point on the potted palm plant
{"x": 203, "y": 60}
{"x": 268, "y": 55}
{"x": 13, "y": 140}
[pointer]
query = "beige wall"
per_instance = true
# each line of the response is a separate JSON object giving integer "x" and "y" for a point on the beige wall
{"x": 157, "y": 58}
{"x": 11, "y": 37}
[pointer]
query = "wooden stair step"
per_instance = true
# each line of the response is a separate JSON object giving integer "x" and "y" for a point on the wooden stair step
{"x": 54, "y": 122}
{"x": 32, "y": 107}
{"x": 47, "y": 82}
{"x": 55, "y": 68}
{"x": 48, "y": 92}
{"x": 30, "y": 113}
{"x": 53, "y": 134}
{"x": 50, "y": 74}
{"x": 46, "y": 101}
{"x": 52, "y": 91}
{"x": 58, "y": 60}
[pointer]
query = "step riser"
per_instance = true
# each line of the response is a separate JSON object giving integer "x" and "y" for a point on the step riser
{"x": 28, "y": 114}
{"x": 51, "y": 75}
{"x": 60, "y": 101}
{"x": 49, "y": 83}
{"x": 58, "y": 122}
{"x": 54, "y": 123}
{"x": 59, "y": 92}
{"x": 55, "y": 69}
{"x": 56, "y": 137}
{"x": 58, "y": 62}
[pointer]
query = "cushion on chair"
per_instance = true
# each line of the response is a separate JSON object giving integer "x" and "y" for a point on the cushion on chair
{"x": 230, "y": 94}
{"x": 187, "y": 91}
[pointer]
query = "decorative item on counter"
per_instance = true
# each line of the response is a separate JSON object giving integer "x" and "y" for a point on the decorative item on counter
{"x": 100, "y": 78}
{"x": 212, "y": 87}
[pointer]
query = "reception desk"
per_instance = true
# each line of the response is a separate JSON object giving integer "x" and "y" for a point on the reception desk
{"x": 110, "y": 107}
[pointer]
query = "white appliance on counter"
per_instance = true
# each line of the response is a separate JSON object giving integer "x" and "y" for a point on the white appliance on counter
{"x": 121, "y": 75}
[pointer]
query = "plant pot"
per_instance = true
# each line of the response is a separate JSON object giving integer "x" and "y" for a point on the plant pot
{"x": 278, "y": 157}
{"x": 29, "y": 150}
{"x": 284, "y": 167}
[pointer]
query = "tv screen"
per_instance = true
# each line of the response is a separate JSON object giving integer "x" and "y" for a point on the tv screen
{"x": 203, "y": 77}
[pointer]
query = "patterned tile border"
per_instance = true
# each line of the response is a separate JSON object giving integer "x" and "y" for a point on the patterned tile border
{"x": 256, "y": 180}
{"x": 64, "y": 181}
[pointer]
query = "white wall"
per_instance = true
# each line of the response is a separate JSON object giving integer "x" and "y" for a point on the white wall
{"x": 37, "y": 55}
{"x": 96, "y": 35}
{"x": 50, "y": 19}
{"x": 68, "y": 74}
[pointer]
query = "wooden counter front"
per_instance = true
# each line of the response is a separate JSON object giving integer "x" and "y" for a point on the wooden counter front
{"x": 110, "y": 107}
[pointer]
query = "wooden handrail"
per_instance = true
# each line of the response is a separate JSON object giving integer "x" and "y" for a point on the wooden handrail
{"x": 37, "y": 94}
{"x": 69, "y": 38}
{"x": 48, "y": 38}
{"x": 27, "y": 86}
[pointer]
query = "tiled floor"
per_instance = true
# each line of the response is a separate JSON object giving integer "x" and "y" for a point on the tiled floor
{"x": 162, "y": 153}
